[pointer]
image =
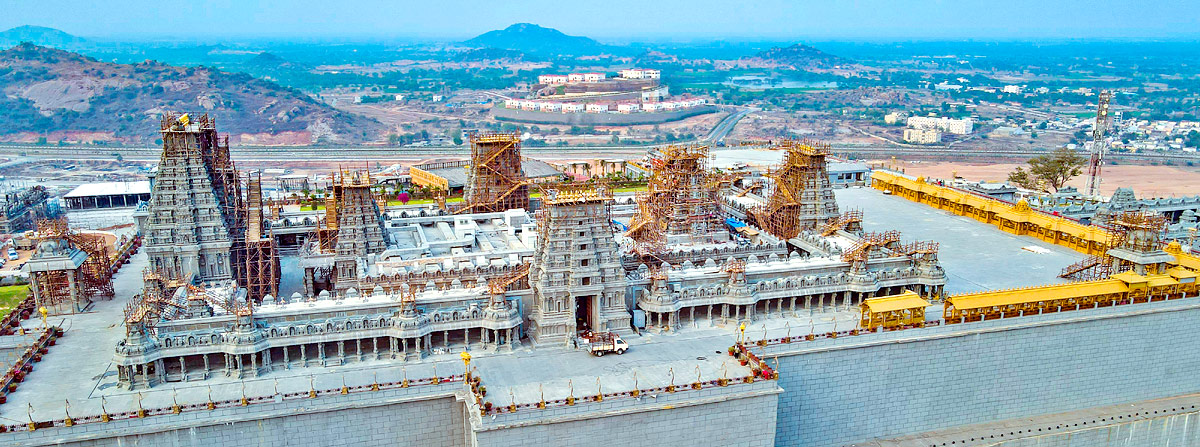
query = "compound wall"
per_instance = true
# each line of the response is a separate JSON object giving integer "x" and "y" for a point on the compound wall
{"x": 737, "y": 415}
{"x": 362, "y": 419}
{"x": 853, "y": 389}
{"x": 598, "y": 119}
{"x": 1174, "y": 430}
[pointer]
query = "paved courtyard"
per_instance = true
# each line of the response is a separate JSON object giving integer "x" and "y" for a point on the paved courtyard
{"x": 976, "y": 256}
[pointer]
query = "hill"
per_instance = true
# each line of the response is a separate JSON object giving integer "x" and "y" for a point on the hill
{"x": 533, "y": 39}
{"x": 799, "y": 57}
{"x": 269, "y": 61}
{"x": 57, "y": 94}
{"x": 39, "y": 35}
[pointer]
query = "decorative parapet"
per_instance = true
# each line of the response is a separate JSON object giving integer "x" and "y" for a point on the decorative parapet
{"x": 332, "y": 318}
{"x": 250, "y": 403}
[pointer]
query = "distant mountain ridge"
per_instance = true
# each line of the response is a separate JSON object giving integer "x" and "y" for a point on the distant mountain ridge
{"x": 56, "y": 94}
{"x": 40, "y": 35}
{"x": 800, "y": 56}
{"x": 534, "y": 39}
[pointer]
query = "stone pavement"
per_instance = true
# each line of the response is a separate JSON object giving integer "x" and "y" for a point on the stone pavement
{"x": 976, "y": 256}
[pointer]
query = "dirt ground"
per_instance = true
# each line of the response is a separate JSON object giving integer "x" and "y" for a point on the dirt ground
{"x": 1146, "y": 181}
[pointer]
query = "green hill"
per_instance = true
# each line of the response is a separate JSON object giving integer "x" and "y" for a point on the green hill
{"x": 800, "y": 56}
{"x": 59, "y": 94}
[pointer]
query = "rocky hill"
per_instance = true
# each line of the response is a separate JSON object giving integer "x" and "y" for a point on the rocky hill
{"x": 38, "y": 35}
{"x": 59, "y": 95}
{"x": 798, "y": 57}
{"x": 533, "y": 39}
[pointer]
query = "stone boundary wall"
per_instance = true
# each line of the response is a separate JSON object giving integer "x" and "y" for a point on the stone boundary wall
{"x": 423, "y": 415}
{"x": 853, "y": 389}
{"x": 598, "y": 119}
{"x": 1178, "y": 429}
{"x": 739, "y": 414}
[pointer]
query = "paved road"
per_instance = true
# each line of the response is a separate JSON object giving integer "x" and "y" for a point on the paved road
{"x": 726, "y": 125}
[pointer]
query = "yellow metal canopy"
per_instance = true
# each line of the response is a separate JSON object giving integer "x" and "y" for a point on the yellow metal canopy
{"x": 1035, "y": 294}
{"x": 1182, "y": 274}
{"x": 906, "y": 300}
{"x": 1162, "y": 281}
{"x": 1186, "y": 260}
{"x": 1131, "y": 278}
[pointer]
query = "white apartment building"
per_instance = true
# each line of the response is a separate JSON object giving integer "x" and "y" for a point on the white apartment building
{"x": 655, "y": 94}
{"x": 639, "y": 73}
{"x": 572, "y": 107}
{"x": 552, "y": 79}
{"x": 628, "y": 107}
{"x": 596, "y": 108}
{"x": 955, "y": 126}
{"x": 922, "y": 136}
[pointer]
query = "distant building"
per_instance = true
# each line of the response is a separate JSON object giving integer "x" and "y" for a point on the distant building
{"x": 107, "y": 195}
{"x": 593, "y": 77}
{"x": 1007, "y": 131}
{"x": 639, "y": 73}
{"x": 922, "y": 136}
{"x": 843, "y": 174}
{"x": 894, "y": 117}
{"x": 655, "y": 94}
{"x": 1014, "y": 89}
{"x": 452, "y": 176}
{"x": 955, "y": 126}
{"x": 20, "y": 209}
{"x": 293, "y": 182}
{"x": 552, "y": 79}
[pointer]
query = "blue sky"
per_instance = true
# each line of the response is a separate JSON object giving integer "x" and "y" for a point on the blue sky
{"x": 616, "y": 20}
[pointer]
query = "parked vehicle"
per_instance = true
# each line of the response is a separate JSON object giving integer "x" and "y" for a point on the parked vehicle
{"x": 601, "y": 343}
{"x": 12, "y": 254}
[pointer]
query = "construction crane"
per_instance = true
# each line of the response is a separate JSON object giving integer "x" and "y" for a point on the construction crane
{"x": 1098, "y": 144}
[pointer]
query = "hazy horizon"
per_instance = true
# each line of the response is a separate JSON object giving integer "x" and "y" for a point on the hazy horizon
{"x": 616, "y": 21}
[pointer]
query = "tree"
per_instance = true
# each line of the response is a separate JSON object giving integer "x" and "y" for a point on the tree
{"x": 1192, "y": 140}
{"x": 1055, "y": 169}
{"x": 1021, "y": 177}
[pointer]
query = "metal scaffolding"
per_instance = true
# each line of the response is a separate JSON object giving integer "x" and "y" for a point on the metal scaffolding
{"x": 1133, "y": 231}
{"x": 260, "y": 271}
{"x": 495, "y": 180}
{"x": 680, "y": 204}
{"x": 359, "y": 225}
{"x": 196, "y": 202}
{"x": 801, "y": 195}
{"x": 69, "y": 268}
